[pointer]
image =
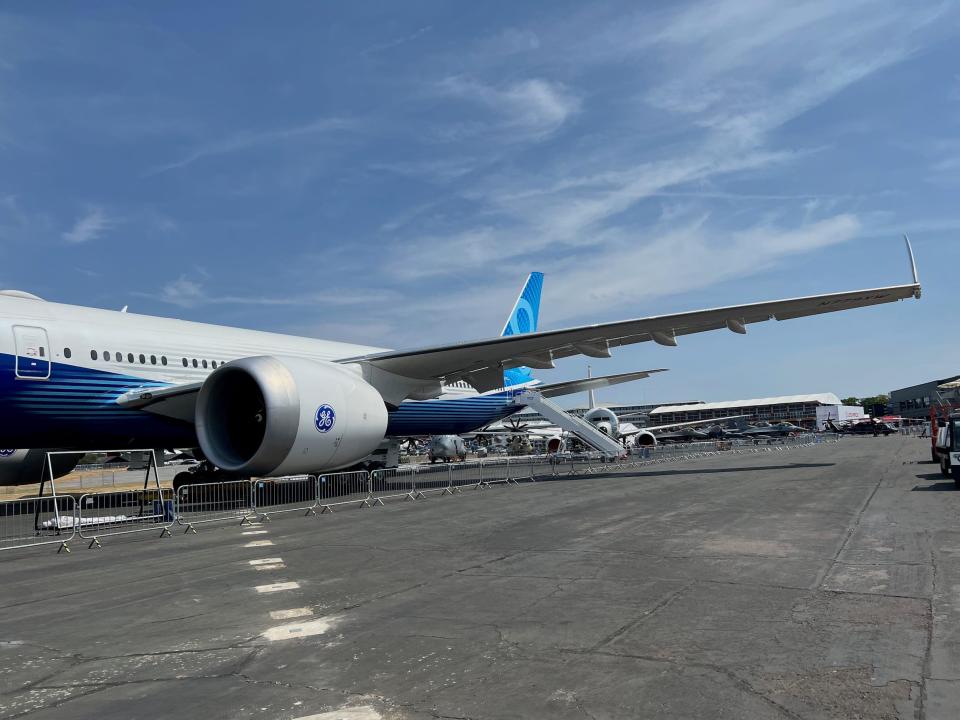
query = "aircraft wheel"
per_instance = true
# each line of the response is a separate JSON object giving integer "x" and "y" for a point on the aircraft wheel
{"x": 956, "y": 477}
{"x": 181, "y": 479}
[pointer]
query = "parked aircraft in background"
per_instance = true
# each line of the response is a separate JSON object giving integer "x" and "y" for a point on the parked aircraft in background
{"x": 265, "y": 404}
{"x": 765, "y": 429}
{"x": 865, "y": 427}
{"x": 446, "y": 448}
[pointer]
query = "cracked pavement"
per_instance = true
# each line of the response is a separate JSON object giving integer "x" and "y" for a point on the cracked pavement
{"x": 816, "y": 583}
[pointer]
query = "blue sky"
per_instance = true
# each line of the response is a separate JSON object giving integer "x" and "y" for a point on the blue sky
{"x": 388, "y": 173}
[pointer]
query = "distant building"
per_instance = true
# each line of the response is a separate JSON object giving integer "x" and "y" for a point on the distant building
{"x": 529, "y": 416}
{"x": 915, "y": 401}
{"x": 804, "y": 410}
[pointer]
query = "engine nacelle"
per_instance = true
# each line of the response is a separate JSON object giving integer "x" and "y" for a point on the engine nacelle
{"x": 271, "y": 415}
{"x": 25, "y": 467}
{"x": 645, "y": 438}
{"x": 604, "y": 420}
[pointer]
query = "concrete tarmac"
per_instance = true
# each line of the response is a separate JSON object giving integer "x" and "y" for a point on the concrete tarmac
{"x": 814, "y": 583}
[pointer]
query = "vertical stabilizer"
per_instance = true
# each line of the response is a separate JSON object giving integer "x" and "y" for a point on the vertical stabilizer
{"x": 523, "y": 319}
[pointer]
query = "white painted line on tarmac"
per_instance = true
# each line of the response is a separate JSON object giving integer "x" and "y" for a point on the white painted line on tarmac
{"x": 277, "y": 587}
{"x": 289, "y": 614}
{"x": 301, "y": 629}
{"x": 266, "y": 561}
{"x": 359, "y": 712}
{"x": 276, "y": 566}
{"x": 255, "y": 532}
{"x": 259, "y": 543}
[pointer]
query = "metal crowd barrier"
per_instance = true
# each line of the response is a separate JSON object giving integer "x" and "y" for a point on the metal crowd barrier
{"x": 58, "y": 519}
{"x": 343, "y": 488}
{"x": 29, "y": 522}
{"x": 433, "y": 478}
{"x": 124, "y": 512}
{"x": 392, "y": 483}
{"x": 214, "y": 502}
{"x": 296, "y": 493}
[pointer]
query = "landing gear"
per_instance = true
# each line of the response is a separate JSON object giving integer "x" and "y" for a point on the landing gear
{"x": 205, "y": 472}
{"x": 955, "y": 471}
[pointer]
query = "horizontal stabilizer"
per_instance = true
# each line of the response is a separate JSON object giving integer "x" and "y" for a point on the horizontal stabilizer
{"x": 575, "y": 386}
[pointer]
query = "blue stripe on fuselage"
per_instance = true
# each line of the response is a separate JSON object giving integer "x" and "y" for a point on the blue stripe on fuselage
{"x": 76, "y": 408}
{"x": 449, "y": 416}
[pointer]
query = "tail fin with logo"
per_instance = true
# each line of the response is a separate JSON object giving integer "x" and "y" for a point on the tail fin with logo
{"x": 523, "y": 319}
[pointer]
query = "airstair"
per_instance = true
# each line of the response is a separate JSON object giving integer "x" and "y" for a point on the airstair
{"x": 581, "y": 428}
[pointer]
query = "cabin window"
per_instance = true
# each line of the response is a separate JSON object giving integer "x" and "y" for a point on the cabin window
{"x": 129, "y": 357}
{"x": 93, "y": 354}
{"x": 163, "y": 359}
{"x": 67, "y": 353}
{"x": 194, "y": 362}
{"x": 204, "y": 363}
{"x": 106, "y": 355}
{"x": 143, "y": 360}
{"x": 153, "y": 359}
{"x": 184, "y": 362}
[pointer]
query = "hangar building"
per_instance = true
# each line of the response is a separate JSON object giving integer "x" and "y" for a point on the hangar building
{"x": 915, "y": 401}
{"x": 803, "y": 410}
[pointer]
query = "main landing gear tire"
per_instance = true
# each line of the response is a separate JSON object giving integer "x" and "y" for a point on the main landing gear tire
{"x": 183, "y": 478}
{"x": 955, "y": 471}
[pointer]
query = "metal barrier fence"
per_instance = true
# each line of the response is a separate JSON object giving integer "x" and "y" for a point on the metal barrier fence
{"x": 58, "y": 519}
{"x": 392, "y": 483}
{"x": 296, "y": 493}
{"x": 214, "y": 502}
{"x": 124, "y": 512}
{"x": 29, "y": 522}
{"x": 343, "y": 488}
{"x": 433, "y": 478}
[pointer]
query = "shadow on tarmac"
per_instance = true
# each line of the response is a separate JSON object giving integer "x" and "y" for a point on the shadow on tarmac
{"x": 936, "y": 487}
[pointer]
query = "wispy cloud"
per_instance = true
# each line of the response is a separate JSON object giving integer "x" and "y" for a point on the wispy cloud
{"x": 532, "y": 108}
{"x": 250, "y": 139}
{"x": 186, "y": 292}
{"x": 396, "y": 42}
{"x": 89, "y": 226}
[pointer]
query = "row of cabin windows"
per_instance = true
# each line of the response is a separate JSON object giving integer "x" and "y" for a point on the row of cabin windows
{"x": 131, "y": 358}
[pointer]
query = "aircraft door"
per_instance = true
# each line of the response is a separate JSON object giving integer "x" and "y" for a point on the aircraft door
{"x": 33, "y": 353}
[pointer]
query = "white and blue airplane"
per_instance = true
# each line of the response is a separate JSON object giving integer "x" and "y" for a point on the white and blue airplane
{"x": 460, "y": 408}
{"x": 266, "y": 404}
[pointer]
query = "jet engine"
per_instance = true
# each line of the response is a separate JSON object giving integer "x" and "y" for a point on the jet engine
{"x": 554, "y": 444}
{"x": 272, "y": 415}
{"x": 605, "y": 420}
{"x": 645, "y": 438}
{"x": 24, "y": 467}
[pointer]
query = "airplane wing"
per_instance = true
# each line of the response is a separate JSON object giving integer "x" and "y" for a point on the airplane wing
{"x": 481, "y": 363}
{"x": 575, "y": 386}
{"x": 690, "y": 423}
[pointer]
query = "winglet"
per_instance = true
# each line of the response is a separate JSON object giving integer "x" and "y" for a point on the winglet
{"x": 913, "y": 266}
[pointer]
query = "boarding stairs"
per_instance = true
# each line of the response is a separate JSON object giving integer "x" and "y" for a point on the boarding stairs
{"x": 564, "y": 420}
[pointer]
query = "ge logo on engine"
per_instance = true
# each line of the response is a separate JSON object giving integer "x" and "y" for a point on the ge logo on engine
{"x": 325, "y": 418}
{"x": 6, "y": 453}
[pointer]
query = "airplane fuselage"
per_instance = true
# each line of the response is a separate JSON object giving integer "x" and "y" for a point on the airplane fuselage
{"x": 62, "y": 368}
